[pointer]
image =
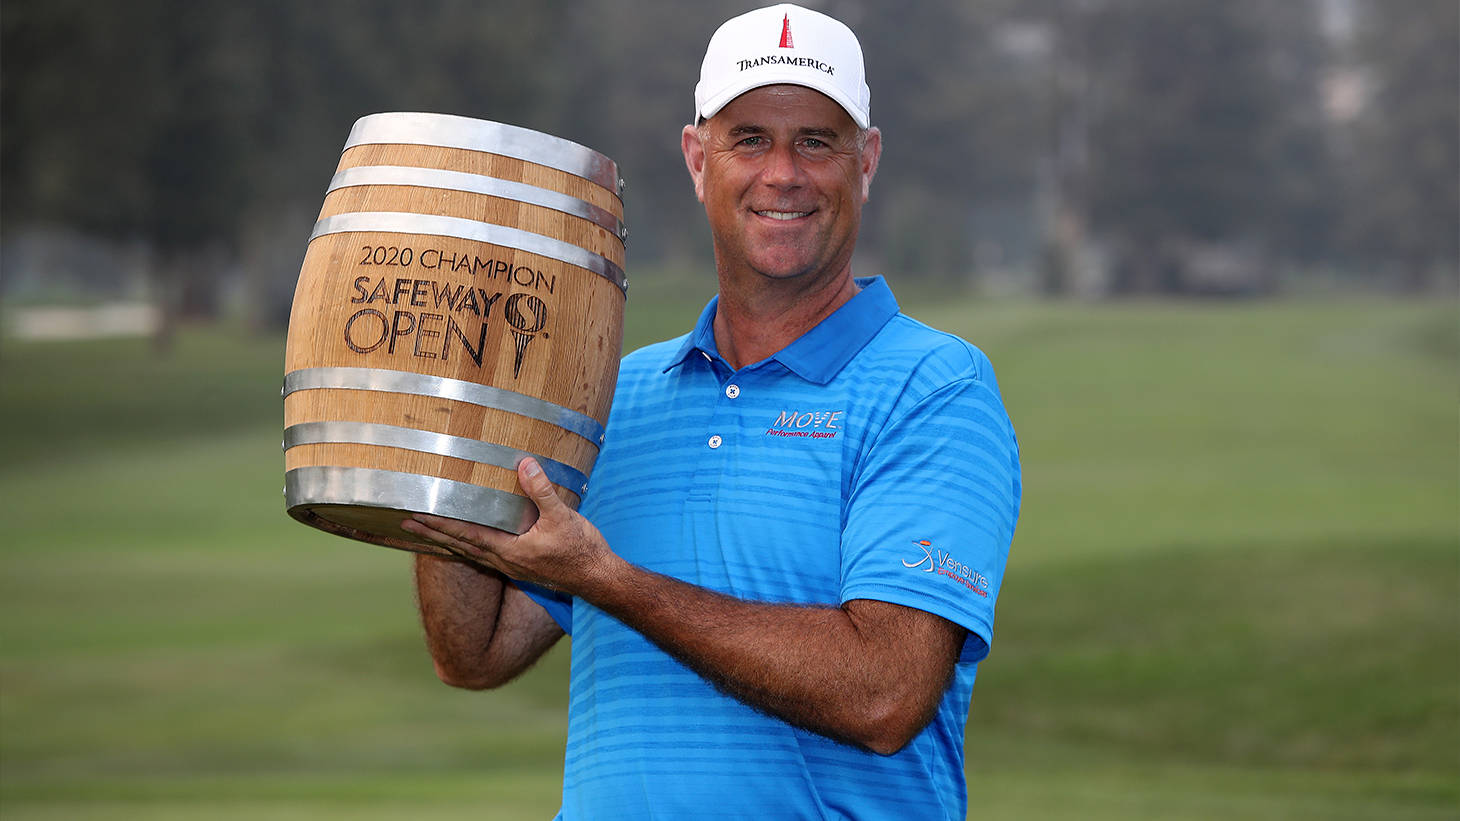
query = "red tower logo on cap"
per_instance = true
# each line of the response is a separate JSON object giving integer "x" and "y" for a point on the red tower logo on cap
{"x": 786, "y": 33}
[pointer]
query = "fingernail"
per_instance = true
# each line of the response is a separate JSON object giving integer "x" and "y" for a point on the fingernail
{"x": 530, "y": 467}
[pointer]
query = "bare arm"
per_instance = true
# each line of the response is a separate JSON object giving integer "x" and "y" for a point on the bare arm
{"x": 867, "y": 673}
{"x": 481, "y": 631}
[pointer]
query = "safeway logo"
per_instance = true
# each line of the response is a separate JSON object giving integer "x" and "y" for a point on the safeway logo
{"x": 943, "y": 564}
{"x": 786, "y": 33}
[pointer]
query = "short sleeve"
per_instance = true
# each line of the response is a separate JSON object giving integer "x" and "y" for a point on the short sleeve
{"x": 558, "y": 605}
{"x": 932, "y": 508}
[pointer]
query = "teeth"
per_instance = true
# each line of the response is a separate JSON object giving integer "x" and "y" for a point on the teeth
{"x": 783, "y": 215}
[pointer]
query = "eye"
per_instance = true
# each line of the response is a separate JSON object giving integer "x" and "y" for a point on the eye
{"x": 817, "y": 145}
{"x": 753, "y": 141}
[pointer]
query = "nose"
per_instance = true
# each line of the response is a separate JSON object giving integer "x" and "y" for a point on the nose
{"x": 782, "y": 167}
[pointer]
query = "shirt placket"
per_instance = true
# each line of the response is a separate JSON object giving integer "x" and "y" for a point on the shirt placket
{"x": 720, "y": 436}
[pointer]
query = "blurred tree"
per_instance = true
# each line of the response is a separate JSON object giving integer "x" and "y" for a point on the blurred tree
{"x": 1301, "y": 211}
{"x": 1067, "y": 106}
{"x": 205, "y": 125}
{"x": 1191, "y": 136}
{"x": 123, "y": 119}
{"x": 1404, "y": 204}
{"x": 627, "y": 89}
{"x": 317, "y": 67}
{"x": 954, "y": 90}
{"x": 208, "y": 130}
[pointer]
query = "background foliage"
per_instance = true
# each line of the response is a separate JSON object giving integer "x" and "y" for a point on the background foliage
{"x": 1066, "y": 146}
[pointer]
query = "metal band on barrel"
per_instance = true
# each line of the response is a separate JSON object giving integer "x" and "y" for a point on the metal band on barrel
{"x": 396, "y": 222}
{"x": 441, "y": 444}
{"x": 408, "y": 491}
{"x": 450, "y": 131}
{"x": 479, "y": 184}
{"x": 475, "y": 393}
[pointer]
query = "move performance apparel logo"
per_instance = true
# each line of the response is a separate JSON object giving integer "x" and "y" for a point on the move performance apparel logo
{"x": 781, "y": 59}
{"x": 811, "y": 424}
{"x": 943, "y": 564}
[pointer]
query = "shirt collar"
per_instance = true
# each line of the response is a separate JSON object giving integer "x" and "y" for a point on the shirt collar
{"x": 819, "y": 354}
{"x": 699, "y": 340}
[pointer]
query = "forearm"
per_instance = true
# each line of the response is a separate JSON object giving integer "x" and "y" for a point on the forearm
{"x": 868, "y": 673}
{"x": 481, "y": 632}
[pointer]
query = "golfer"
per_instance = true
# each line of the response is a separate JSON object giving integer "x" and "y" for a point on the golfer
{"x": 784, "y": 572}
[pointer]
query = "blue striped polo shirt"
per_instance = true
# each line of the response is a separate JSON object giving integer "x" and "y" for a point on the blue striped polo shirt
{"x": 870, "y": 459}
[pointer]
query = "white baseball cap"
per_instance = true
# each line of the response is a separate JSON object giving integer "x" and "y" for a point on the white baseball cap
{"x": 784, "y": 44}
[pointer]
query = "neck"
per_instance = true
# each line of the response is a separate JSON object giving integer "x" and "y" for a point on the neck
{"x": 752, "y": 324}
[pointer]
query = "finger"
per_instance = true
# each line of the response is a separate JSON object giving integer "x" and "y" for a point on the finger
{"x": 538, "y": 487}
{"x": 416, "y": 528}
{"x": 439, "y": 530}
{"x": 451, "y": 551}
{"x": 455, "y": 528}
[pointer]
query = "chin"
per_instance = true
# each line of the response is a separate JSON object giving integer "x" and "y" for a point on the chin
{"x": 789, "y": 264}
{"x": 781, "y": 272}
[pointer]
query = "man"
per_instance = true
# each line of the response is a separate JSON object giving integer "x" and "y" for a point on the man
{"x": 785, "y": 569}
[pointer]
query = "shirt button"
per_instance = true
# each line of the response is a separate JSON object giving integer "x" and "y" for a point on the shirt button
{"x": 732, "y": 391}
{"x": 715, "y": 441}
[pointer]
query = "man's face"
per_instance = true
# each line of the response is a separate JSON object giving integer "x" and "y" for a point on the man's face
{"x": 783, "y": 179}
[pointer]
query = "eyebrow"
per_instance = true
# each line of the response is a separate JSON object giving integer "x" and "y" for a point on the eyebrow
{"x": 828, "y": 134}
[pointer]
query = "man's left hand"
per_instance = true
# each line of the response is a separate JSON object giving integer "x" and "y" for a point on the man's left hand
{"x": 561, "y": 551}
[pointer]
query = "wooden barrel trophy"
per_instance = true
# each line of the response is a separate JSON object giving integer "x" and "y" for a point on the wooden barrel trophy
{"x": 460, "y": 306}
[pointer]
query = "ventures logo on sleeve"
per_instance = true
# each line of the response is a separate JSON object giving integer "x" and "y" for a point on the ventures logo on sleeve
{"x": 942, "y": 563}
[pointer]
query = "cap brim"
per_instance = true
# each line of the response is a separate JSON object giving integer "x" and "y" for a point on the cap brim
{"x": 712, "y": 106}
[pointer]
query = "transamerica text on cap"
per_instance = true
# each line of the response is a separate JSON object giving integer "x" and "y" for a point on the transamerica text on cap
{"x": 804, "y": 62}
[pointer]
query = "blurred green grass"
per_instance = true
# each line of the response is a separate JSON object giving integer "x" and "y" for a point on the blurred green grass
{"x": 1235, "y": 589}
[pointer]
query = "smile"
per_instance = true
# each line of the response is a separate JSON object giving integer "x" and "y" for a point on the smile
{"x": 784, "y": 215}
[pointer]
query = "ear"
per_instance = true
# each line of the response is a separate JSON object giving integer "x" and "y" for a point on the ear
{"x": 694, "y": 158}
{"x": 871, "y": 155}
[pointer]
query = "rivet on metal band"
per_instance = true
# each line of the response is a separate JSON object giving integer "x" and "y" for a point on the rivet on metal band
{"x": 397, "y": 222}
{"x": 487, "y": 396}
{"x": 441, "y": 444}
